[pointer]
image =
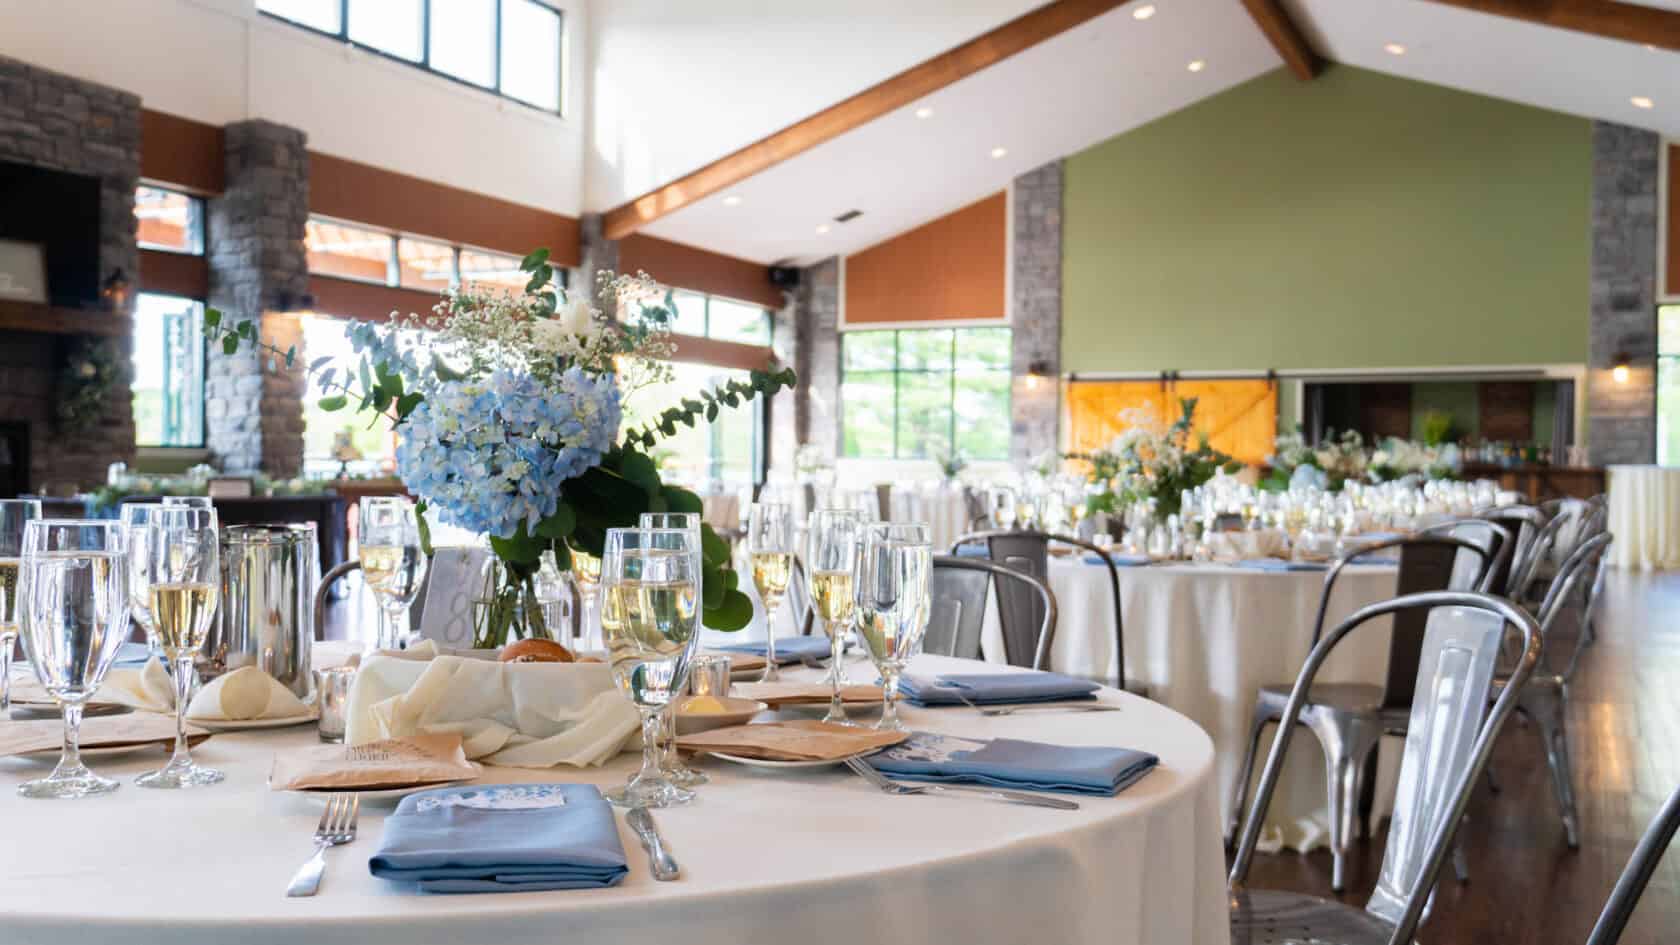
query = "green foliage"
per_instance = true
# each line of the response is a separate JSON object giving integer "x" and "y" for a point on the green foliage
{"x": 689, "y": 412}
{"x": 1438, "y": 427}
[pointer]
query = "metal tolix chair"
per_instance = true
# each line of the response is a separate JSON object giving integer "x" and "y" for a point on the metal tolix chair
{"x": 957, "y": 595}
{"x": 1636, "y": 875}
{"x": 1451, "y": 734}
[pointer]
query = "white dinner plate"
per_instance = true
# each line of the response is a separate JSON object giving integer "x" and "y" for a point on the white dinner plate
{"x": 377, "y": 795}
{"x": 240, "y": 725}
{"x": 789, "y": 765}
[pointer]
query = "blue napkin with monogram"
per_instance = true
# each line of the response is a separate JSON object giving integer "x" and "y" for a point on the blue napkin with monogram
{"x": 1012, "y": 763}
{"x": 1120, "y": 561}
{"x": 994, "y": 688}
{"x": 502, "y": 838}
{"x": 788, "y": 649}
{"x": 1278, "y": 564}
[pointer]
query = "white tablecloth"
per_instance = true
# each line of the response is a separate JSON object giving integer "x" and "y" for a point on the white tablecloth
{"x": 809, "y": 856}
{"x": 1204, "y": 638}
{"x": 941, "y": 507}
{"x": 722, "y": 510}
{"x": 1645, "y": 516}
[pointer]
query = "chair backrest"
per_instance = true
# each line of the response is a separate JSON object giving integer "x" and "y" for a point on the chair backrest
{"x": 1637, "y": 874}
{"x": 1580, "y": 578}
{"x": 799, "y": 598}
{"x": 1524, "y": 522}
{"x": 883, "y": 502}
{"x": 1426, "y": 564}
{"x": 1481, "y": 572}
{"x": 1449, "y": 738}
{"x": 957, "y": 593}
{"x": 974, "y": 507}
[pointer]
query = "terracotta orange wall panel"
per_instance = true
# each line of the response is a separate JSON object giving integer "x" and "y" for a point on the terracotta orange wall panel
{"x": 950, "y": 269}
{"x": 174, "y": 274}
{"x": 360, "y": 193}
{"x": 180, "y": 152}
{"x": 698, "y": 270}
{"x": 363, "y": 301}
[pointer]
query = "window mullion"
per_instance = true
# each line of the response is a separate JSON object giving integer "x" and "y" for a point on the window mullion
{"x": 344, "y": 20}
{"x": 497, "y": 59}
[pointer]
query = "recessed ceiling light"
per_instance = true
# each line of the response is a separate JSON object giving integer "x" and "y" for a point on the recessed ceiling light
{"x": 1640, "y": 101}
{"x": 732, "y": 201}
{"x": 822, "y": 228}
{"x": 1196, "y": 65}
{"x": 999, "y": 152}
{"x": 924, "y": 112}
{"x": 1144, "y": 12}
{"x": 1394, "y": 49}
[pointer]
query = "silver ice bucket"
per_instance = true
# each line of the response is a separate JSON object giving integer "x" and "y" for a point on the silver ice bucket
{"x": 269, "y": 573}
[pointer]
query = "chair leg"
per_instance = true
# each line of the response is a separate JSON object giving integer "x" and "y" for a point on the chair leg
{"x": 1347, "y": 744}
{"x": 1461, "y": 862}
{"x": 1547, "y": 704}
{"x": 1245, "y": 773}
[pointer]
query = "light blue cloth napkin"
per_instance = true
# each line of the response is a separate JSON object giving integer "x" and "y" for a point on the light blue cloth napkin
{"x": 1276, "y": 564}
{"x": 1011, "y": 763}
{"x": 502, "y": 838}
{"x": 1120, "y": 561}
{"x": 973, "y": 549}
{"x": 994, "y": 688}
{"x": 132, "y": 654}
{"x": 788, "y": 649}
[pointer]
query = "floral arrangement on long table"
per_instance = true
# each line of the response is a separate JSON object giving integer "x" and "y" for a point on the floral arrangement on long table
{"x": 1346, "y": 458}
{"x": 508, "y": 408}
{"x": 1152, "y": 462}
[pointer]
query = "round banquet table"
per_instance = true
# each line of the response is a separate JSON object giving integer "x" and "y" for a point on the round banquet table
{"x": 809, "y": 856}
{"x": 1645, "y": 516}
{"x": 940, "y": 507}
{"x": 1204, "y": 638}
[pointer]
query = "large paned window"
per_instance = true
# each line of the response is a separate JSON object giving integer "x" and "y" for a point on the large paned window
{"x": 710, "y": 316}
{"x": 169, "y": 220}
{"x": 724, "y": 453}
{"x": 168, "y": 371}
{"x": 348, "y": 251}
{"x": 914, "y": 394}
{"x": 1668, "y": 385}
{"x": 358, "y": 442}
{"x": 509, "y": 47}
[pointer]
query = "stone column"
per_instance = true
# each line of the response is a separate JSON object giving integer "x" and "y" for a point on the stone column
{"x": 785, "y": 407}
{"x": 257, "y": 269}
{"x": 1036, "y": 312}
{"x": 1622, "y": 417}
{"x": 596, "y": 254}
{"x": 817, "y": 355}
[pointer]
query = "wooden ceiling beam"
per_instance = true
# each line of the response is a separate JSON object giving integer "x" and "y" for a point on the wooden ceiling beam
{"x": 1019, "y": 34}
{"x": 1630, "y": 22}
{"x": 1285, "y": 37}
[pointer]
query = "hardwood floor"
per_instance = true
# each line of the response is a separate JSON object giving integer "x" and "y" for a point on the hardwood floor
{"x": 1526, "y": 886}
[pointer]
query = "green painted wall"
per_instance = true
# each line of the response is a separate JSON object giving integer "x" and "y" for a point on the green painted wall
{"x": 1356, "y": 220}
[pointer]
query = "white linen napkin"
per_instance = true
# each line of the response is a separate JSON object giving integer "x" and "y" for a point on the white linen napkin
{"x": 244, "y": 694}
{"x": 1246, "y": 545}
{"x": 526, "y": 715}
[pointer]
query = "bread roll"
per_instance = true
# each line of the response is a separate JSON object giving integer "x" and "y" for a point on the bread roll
{"x": 536, "y": 651}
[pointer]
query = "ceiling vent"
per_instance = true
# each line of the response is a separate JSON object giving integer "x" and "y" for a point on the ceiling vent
{"x": 848, "y": 216}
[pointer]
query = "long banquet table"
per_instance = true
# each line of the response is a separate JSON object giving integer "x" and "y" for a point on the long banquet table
{"x": 1204, "y": 638}
{"x": 813, "y": 856}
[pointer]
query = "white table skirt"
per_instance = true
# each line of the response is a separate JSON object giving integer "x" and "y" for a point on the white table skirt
{"x": 1645, "y": 516}
{"x": 941, "y": 507}
{"x": 811, "y": 857}
{"x": 1204, "y": 638}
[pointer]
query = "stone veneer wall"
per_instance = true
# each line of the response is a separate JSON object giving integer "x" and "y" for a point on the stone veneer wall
{"x": 1621, "y": 418}
{"x": 1036, "y": 311}
{"x": 54, "y": 121}
{"x": 817, "y": 355}
{"x": 257, "y": 266}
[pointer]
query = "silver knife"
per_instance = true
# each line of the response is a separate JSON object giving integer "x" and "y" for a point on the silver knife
{"x": 1018, "y": 797}
{"x": 665, "y": 868}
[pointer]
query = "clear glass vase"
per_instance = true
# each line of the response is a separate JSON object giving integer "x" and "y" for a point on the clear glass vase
{"x": 516, "y": 604}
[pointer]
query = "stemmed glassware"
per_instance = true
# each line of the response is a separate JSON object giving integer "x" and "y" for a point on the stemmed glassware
{"x": 586, "y": 570}
{"x": 14, "y": 514}
{"x": 893, "y": 571}
{"x": 670, "y": 761}
{"x": 1001, "y": 500}
{"x": 831, "y": 555}
{"x": 135, "y": 516}
{"x": 392, "y": 563}
{"x": 770, "y": 549}
{"x": 73, "y": 608}
{"x": 190, "y": 501}
{"x": 178, "y": 562}
{"x": 650, "y": 618}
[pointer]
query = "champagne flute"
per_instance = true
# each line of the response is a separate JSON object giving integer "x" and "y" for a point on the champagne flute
{"x": 392, "y": 563}
{"x": 831, "y": 553}
{"x": 180, "y": 565}
{"x": 14, "y": 513}
{"x": 73, "y": 608}
{"x": 670, "y": 761}
{"x": 770, "y": 549}
{"x": 586, "y": 570}
{"x": 136, "y": 516}
{"x": 650, "y": 619}
{"x": 892, "y": 604}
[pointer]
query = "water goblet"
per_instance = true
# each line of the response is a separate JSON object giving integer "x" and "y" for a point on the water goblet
{"x": 14, "y": 513}
{"x": 73, "y": 609}
{"x": 770, "y": 550}
{"x": 392, "y": 563}
{"x": 135, "y": 516}
{"x": 180, "y": 566}
{"x": 894, "y": 568}
{"x": 831, "y": 554}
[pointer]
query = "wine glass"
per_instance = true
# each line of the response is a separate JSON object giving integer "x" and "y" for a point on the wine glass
{"x": 73, "y": 608}
{"x": 1001, "y": 500}
{"x": 179, "y": 564}
{"x": 669, "y": 761}
{"x": 392, "y": 563}
{"x": 831, "y": 553}
{"x": 650, "y": 619}
{"x": 135, "y": 516}
{"x": 190, "y": 501}
{"x": 770, "y": 550}
{"x": 586, "y": 570}
{"x": 14, "y": 513}
{"x": 893, "y": 571}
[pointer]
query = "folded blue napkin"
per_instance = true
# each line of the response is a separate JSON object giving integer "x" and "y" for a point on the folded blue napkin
{"x": 132, "y": 654}
{"x": 788, "y": 649}
{"x": 973, "y": 549}
{"x": 1276, "y": 564}
{"x": 1012, "y": 763}
{"x": 994, "y": 688}
{"x": 1120, "y": 561}
{"x": 502, "y": 838}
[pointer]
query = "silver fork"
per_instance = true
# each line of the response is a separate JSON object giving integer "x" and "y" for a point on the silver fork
{"x": 338, "y": 826}
{"x": 863, "y": 769}
{"x": 997, "y": 710}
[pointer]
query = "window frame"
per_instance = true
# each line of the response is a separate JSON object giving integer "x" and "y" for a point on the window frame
{"x": 201, "y": 213}
{"x": 1672, "y": 358}
{"x": 393, "y": 258}
{"x": 706, "y": 318}
{"x": 425, "y": 62}
{"x": 896, "y": 371}
{"x": 203, "y": 381}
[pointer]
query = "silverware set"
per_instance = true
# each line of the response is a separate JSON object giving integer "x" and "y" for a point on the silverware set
{"x": 994, "y": 711}
{"x": 337, "y": 827}
{"x": 863, "y": 770}
{"x": 664, "y": 866}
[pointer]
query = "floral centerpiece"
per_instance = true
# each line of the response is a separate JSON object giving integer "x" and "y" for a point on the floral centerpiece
{"x": 1149, "y": 462}
{"x": 951, "y": 463}
{"x": 508, "y": 410}
{"x": 1326, "y": 466}
{"x": 1395, "y": 459}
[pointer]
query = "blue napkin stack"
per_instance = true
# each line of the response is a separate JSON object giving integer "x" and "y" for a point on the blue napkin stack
{"x": 502, "y": 838}
{"x": 788, "y": 649}
{"x": 1012, "y": 763}
{"x": 1120, "y": 561}
{"x": 1277, "y": 564}
{"x": 994, "y": 688}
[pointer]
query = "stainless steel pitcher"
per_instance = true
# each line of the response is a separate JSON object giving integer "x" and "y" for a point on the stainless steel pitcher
{"x": 269, "y": 573}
